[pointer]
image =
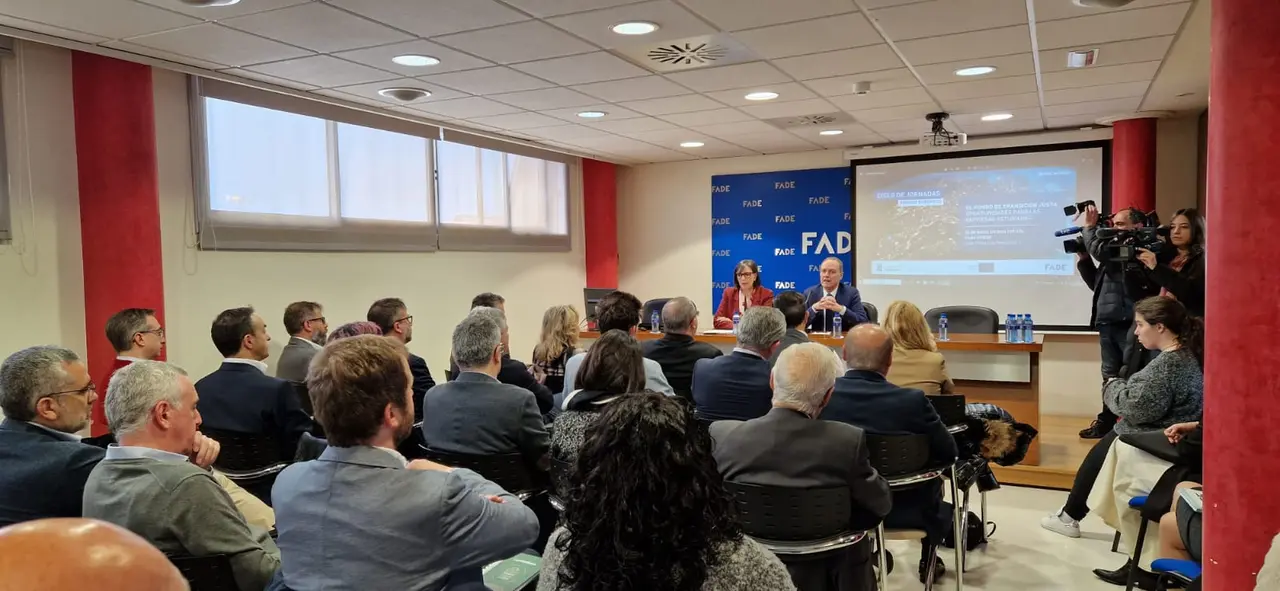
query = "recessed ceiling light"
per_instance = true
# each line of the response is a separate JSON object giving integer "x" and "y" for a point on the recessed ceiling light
{"x": 997, "y": 117}
{"x": 763, "y": 95}
{"x": 405, "y": 95}
{"x": 635, "y": 28}
{"x": 831, "y": 132}
{"x": 592, "y": 114}
{"x": 691, "y": 144}
{"x": 209, "y": 3}
{"x": 416, "y": 61}
{"x": 975, "y": 71}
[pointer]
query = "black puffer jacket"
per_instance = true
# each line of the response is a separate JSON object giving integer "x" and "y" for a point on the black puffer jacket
{"x": 1188, "y": 284}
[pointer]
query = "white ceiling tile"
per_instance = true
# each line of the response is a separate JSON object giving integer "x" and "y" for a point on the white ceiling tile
{"x": 992, "y": 103}
{"x": 771, "y": 110}
{"x": 517, "y": 121}
{"x": 870, "y": 117}
{"x": 1006, "y": 65}
{"x": 352, "y": 98}
{"x": 718, "y": 149}
{"x": 594, "y": 26}
{"x": 824, "y": 34}
{"x": 673, "y": 104}
{"x": 790, "y": 91}
{"x": 895, "y": 128}
{"x": 1099, "y": 75}
{"x": 565, "y": 132}
{"x": 971, "y": 121}
{"x": 317, "y": 27}
{"x": 966, "y": 46}
{"x": 1095, "y": 93}
{"x": 879, "y": 99}
{"x": 251, "y": 75}
{"x": 647, "y": 87}
{"x": 114, "y": 19}
{"x": 217, "y": 13}
{"x": 842, "y": 62}
{"x": 670, "y": 138}
{"x": 1110, "y": 54}
{"x": 735, "y": 15}
{"x": 545, "y": 99}
{"x": 488, "y": 80}
{"x": 581, "y": 69}
{"x": 464, "y": 108}
{"x": 164, "y": 55}
{"x": 1073, "y": 121}
{"x": 880, "y": 82}
{"x": 980, "y": 88}
{"x": 708, "y": 117}
{"x": 656, "y": 155}
{"x": 46, "y": 29}
{"x": 774, "y": 142}
{"x": 1007, "y": 127}
{"x": 613, "y": 144}
{"x": 428, "y": 18}
{"x": 1047, "y": 10}
{"x": 726, "y": 77}
{"x": 612, "y": 113}
{"x": 380, "y": 57}
{"x": 548, "y": 8}
{"x": 216, "y": 43}
{"x": 1112, "y": 26}
{"x": 728, "y": 130}
{"x": 521, "y": 42}
{"x": 633, "y": 125}
{"x": 854, "y": 134}
{"x": 322, "y": 70}
{"x": 370, "y": 91}
{"x": 946, "y": 17}
{"x": 874, "y": 4}
{"x": 1094, "y": 108}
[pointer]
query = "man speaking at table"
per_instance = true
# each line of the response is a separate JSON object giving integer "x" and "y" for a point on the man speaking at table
{"x": 831, "y": 298}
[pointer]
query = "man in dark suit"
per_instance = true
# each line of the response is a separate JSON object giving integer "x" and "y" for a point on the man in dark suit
{"x": 864, "y": 398}
{"x": 796, "y": 313}
{"x": 831, "y": 297}
{"x": 736, "y": 386}
{"x": 677, "y": 351}
{"x": 392, "y": 316}
{"x": 788, "y": 448}
{"x": 513, "y": 372}
{"x": 240, "y": 396}
{"x": 46, "y": 394}
{"x": 307, "y": 328}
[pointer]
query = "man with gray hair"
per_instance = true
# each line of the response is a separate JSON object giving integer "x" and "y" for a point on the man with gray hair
{"x": 813, "y": 454}
{"x": 157, "y": 481}
{"x": 513, "y": 372}
{"x": 736, "y": 386}
{"x": 865, "y": 399}
{"x": 677, "y": 351}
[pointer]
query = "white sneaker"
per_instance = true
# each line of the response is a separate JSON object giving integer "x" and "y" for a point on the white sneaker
{"x": 1060, "y": 523}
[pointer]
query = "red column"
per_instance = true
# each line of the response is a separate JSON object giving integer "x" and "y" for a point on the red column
{"x": 119, "y": 200}
{"x": 1242, "y": 444}
{"x": 1133, "y": 164}
{"x": 600, "y": 218}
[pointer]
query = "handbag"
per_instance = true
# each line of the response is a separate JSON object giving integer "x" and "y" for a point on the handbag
{"x": 1154, "y": 443}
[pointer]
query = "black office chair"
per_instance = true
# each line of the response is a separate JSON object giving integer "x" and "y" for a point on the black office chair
{"x": 561, "y": 469}
{"x": 796, "y": 521}
{"x": 510, "y": 471}
{"x": 304, "y": 401}
{"x": 951, "y": 409}
{"x": 206, "y": 573}
{"x": 903, "y": 461}
{"x": 251, "y": 460}
{"x": 873, "y": 315}
{"x": 646, "y": 313}
{"x": 965, "y": 319}
{"x": 310, "y": 448}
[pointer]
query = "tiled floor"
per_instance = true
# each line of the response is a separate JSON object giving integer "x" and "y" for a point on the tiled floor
{"x": 1021, "y": 556}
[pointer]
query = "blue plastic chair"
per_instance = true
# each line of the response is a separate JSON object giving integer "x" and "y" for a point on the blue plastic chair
{"x": 1172, "y": 570}
{"x": 1137, "y": 503}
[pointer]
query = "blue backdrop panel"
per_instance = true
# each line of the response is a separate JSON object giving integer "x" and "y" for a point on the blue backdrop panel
{"x": 787, "y": 222}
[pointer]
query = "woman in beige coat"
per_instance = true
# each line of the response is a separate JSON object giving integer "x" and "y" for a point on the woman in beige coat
{"x": 916, "y": 360}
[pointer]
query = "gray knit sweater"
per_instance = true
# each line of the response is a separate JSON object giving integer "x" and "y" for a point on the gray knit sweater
{"x": 1168, "y": 390}
{"x": 738, "y": 566}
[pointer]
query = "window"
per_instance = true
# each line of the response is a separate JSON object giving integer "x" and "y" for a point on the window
{"x": 6, "y": 233}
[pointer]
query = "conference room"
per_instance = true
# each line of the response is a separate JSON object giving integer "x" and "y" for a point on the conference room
{"x": 991, "y": 216}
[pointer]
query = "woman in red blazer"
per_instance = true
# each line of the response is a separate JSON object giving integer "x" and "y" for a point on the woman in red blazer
{"x": 747, "y": 294}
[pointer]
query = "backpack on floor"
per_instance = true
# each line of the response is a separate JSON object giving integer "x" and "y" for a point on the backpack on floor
{"x": 975, "y": 533}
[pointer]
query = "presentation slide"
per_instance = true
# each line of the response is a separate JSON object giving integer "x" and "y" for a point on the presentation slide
{"x": 975, "y": 230}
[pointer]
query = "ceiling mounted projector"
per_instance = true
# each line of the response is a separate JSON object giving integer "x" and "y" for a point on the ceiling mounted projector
{"x": 1101, "y": 3}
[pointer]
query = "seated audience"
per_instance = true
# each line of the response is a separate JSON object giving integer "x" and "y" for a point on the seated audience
{"x": 557, "y": 343}
{"x": 361, "y": 516}
{"x": 135, "y": 334}
{"x": 307, "y": 328}
{"x": 916, "y": 360}
{"x": 119, "y": 559}
{"x": 1169, "y": 390}
{"x": 647, "y": 511}
{"x": 745, "y": 293}
{"x": 796, "y": 314}
{"x": 239, "y": 396}
{"x": 788, "y": 447}
{"x": 512, "y": 372}
{"x": 476, "y": 413}
{"x": 394, "y": 320}
{"x": 156, "y": 481}
{"x": 677, "y": 350}
{"x": 612, "y": 369}
{"x": 619, "y": 310}
{"x": 1180, "y": 529}
{"x": 352, "y": 329}
{"x": 865, "y": 399}
{"x": 736, "y": 386}
{"x": 45, "y": 394}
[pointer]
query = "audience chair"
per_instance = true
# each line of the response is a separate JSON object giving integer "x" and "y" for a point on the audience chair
{"x": 965, "y": 319}
{"x": 309, "y": 448}
{"x": 510, "y": 471}
{"x": 561, "y": 469}
{"x": 1174, "y": 572}
{"x": 304, "y": 398}
{"x": 646, "y": 313}
{"x": 796, "y": 521}
{"x": 873, "y": 315}
{"x": 206, "y": 573}
{"x": 1137, "y": 503}
{"x": 951, "y": 409}
{"x": 903, "y": 461}
{"x": 251, "y": 460}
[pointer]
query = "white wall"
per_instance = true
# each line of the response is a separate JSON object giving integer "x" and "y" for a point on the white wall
{"x": 1177, "y": 165}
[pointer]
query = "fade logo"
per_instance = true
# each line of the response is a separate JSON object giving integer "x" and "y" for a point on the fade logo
{"x": 784, "y": 219}
{"x": 720, "y": 222}
{"x": 813, "y": 268}
{"x": 719, "y": 189}
{"x": 1055, "y": 267}
{"x": 846, "y": 181}
{"x": 720, "y": 285}
{"x": 784, "y": 252}
{"x": 819, "y": 201}
{"x": 753, "y": 203}
{"x": 784, "y": 285}
{"x": 755, "y": 236}
{"x": 847, "y": 216}
{"x": 821, "y": 243}
{"x": 784, "y": 185}
{"x": 720, "y": 253}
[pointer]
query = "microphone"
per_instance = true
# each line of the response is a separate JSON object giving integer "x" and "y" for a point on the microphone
{"x": 1068, "y": 231}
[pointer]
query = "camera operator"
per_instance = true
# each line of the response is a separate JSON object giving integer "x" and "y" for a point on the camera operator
{"x": 1114, "y": 293}
{"x": 1179, "y": 271}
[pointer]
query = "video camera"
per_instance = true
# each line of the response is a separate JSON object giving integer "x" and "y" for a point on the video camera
{"x": 1122, "y": 246}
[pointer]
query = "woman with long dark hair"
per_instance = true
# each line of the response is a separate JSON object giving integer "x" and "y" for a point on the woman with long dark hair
{"x": 745, "y": 293}
{"x": 647, "y": 510}
{"x": 1179, "y": 271}
{"x": 613, "y": 367}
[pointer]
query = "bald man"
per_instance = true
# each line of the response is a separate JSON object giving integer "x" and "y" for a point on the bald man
{"x": 677, "y": 351}
{"x": 865, "y": 399}
{"x": 107, "y": 558}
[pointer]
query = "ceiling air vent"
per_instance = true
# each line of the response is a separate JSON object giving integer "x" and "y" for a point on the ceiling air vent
{"x": 686, "y": 54}
{"x": 804, "y": 121}
{"x": 691, "y": 53}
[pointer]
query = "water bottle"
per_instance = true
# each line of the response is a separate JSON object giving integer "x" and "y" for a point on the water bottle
{"x": 1009, "y": 323}
{"x": 737, "y": 317}
{"x": 1028, "y": 330}
{"x": 943, "y": 333}
{"x": 1017, "y": 328}
{"x": 654, "y": 321}
{"x": 835, "y": 327}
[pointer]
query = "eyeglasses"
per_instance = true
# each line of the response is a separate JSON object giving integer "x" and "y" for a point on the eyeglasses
{"x": 746, "y": 274}
{"x": 408, "y": 319}
{"x": 316, "y": 319}
{"x": 158, "y": 332}
{"x": 82, "y": 391}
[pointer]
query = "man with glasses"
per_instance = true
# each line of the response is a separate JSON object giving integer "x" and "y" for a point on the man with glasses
{"x": 136, "y": 335}
{"x": 392, "y": 316}
{"x": 307, "y": 328}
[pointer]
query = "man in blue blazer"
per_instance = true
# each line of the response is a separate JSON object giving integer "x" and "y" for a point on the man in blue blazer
{"x": 736, "y": 386}
{"x": 865, "y": 399}
{"x": 831, "y": 297}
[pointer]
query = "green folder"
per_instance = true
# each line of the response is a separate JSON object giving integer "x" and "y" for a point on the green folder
{"x": 513, "y": 574}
